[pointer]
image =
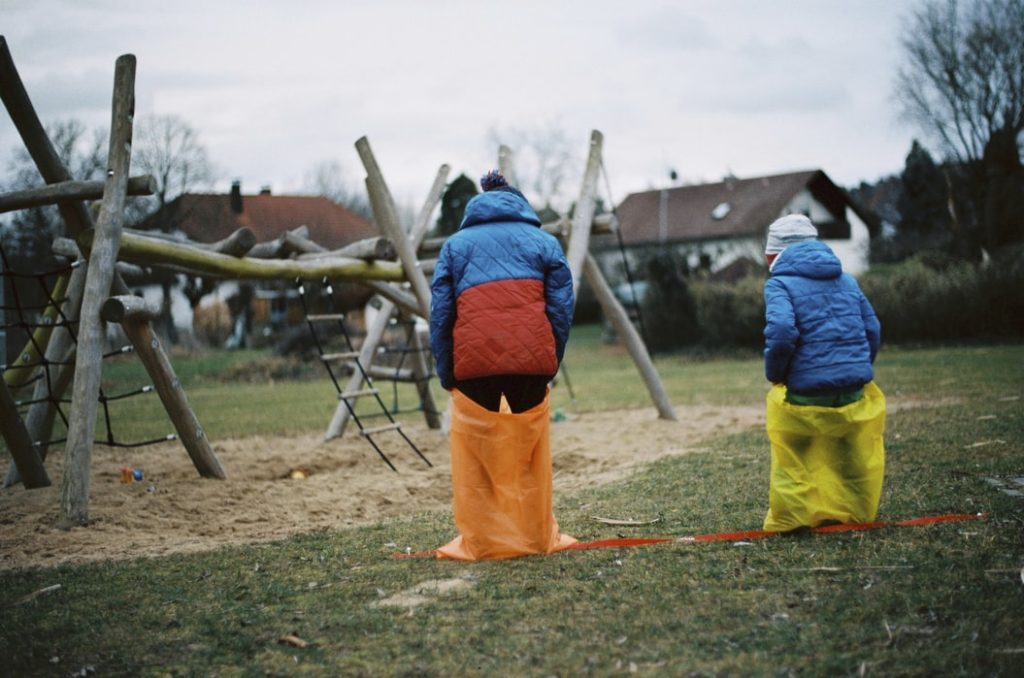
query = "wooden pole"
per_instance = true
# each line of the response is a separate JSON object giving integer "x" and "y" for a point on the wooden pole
{"x": 583, "y": 216}
{"x": 395, "y": 298}
{"x": 617, "y": 315}
{"x": 149, "y": 251}
{"x": 58, "y": 370}
{"x": 38, "y": 145}
{"x": 134, "y": 314}
{"x": 74, "y": 505}
{"x": 388, "y": 221}
{"x": 19, "y": 444}
{"x": 53, "y": 194}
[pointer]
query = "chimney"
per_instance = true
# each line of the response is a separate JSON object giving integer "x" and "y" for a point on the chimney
{"x": 236, "y": 197}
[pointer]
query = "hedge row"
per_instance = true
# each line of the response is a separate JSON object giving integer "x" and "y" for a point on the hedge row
{"x": 920, "y": 300}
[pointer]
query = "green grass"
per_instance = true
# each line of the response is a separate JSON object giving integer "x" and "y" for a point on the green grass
{"x": 945, "y": 599}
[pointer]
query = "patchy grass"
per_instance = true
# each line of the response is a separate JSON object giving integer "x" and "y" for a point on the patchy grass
{"x": 944, "y": 599}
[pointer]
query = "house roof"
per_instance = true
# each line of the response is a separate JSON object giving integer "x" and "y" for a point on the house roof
{"x": 208, "y": 218}
{"x": 743, "y": 207}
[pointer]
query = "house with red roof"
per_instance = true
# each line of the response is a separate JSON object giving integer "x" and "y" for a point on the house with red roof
{"x": 208, "y": 218}
{"x": 717, "y": 226}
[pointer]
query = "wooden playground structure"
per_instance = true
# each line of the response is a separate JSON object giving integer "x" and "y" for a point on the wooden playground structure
{"x": 95, "y": 293}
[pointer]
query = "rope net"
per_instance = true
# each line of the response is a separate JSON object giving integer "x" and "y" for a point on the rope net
{"x": 33, "y": 306}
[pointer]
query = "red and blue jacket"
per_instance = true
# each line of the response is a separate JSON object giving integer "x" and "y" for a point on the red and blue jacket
{"x": 502, "y": 298}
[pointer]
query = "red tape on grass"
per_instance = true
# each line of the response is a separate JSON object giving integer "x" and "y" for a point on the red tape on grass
{"x": 745, "y": 534}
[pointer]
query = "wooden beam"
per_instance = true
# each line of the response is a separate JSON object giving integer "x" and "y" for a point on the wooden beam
{"x": 619, "y": 319}
{"x": 583, "y": 216}
{"x": 395, "y": 298}
{"x": 37, "y": 143}
{"x": 368, "y": 249}
{"x": 69, "y": 190}
{"x": 149, "y": 251}
{"x": 387, "y": 218}
{"x": 21, "y": 370}
{"x": 58, "y": 370}
{"x": 74, "y": 504}
{"x": 19, "y": 444}
{"x": 133, "y": 313}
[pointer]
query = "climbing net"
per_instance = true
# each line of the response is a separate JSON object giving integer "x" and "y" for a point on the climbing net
{"x": 50, "y": 376}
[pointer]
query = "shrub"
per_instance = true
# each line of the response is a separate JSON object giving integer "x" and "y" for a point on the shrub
{"x": 730, "y": 314}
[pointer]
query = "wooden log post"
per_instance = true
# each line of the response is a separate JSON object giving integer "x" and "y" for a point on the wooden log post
{"x": 134, "y": 314}
{"x": 53, "y": 194}
{"x": 24, "y": 454}
{"x": 619, "y": 319}
{"x": 74, "y": 504}
{"x": 37, "y": 143}
{"x": 387, "y": 219}
{"x": 149, "y": 251}
{"x": 394, "y": 298}
{"x": 58, "y": 371}
{"x": 583, "y": 217}
{"x": 368, "y": 249}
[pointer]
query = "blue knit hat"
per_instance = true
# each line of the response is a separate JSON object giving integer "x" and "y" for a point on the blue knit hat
{"x": 493, "y": 180}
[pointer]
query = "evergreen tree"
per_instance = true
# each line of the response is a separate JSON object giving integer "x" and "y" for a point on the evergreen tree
{"x": 453, "y": 204}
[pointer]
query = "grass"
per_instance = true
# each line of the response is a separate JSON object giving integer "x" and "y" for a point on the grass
{"x": 945, "y": 599}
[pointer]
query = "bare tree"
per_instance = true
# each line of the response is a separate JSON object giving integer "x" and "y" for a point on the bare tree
{"x": 963, "y": 85}
{"x": 546, "y": 162}
{"x": 329, "y": 179}
{"x": 963, "y": 79}
{"x": 168, "y": 148}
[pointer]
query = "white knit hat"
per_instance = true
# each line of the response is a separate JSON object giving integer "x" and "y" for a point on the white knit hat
{"x": 789, "y": 230}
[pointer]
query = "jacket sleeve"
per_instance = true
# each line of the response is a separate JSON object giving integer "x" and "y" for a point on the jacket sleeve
{"x": 872, "y": 328}
{"x": 559, "y": 299}
{"x": 780, "y": 332}
{"x": 442, "y": 319}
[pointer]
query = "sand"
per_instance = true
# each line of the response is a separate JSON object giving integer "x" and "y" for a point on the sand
{"x": 173, "y": 510}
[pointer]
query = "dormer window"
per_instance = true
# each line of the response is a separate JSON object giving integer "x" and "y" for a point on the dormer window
{"x": 721, "y": 211}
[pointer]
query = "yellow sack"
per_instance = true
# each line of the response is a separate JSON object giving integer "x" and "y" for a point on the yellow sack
{"x": 501, "y": 482}
{"x": 827, "y": 462}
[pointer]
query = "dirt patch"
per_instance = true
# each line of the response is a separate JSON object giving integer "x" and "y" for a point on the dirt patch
{"x": 173, "y": 510}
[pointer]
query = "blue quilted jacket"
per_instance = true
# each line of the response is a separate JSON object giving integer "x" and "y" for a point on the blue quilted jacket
{"x": 502, "y": 298}
{"x": 821, "y": 334}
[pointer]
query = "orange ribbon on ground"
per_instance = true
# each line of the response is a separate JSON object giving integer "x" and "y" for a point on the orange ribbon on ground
{"x": 744, "y": 534}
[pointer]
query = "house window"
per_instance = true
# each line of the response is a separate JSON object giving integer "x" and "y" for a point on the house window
{"x": 833, "y": 230}
{"x": 721, "y": 211}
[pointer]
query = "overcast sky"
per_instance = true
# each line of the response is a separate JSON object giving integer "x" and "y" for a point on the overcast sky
{"x": 751, "y": 87}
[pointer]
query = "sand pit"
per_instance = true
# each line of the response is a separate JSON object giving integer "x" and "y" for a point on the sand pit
{"x": 172, "y": 510}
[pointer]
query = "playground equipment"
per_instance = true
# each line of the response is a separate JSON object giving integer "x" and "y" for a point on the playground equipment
{"x": 96, "y": 293}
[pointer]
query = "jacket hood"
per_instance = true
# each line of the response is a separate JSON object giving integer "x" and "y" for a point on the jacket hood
{"x": 808, "y": 259}
{"x": 495, "y": 206}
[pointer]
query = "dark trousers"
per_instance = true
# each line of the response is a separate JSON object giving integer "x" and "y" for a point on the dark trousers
{"x": 522, "y": 391}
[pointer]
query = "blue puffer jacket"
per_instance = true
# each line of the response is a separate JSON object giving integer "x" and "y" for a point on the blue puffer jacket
{"x": 502, "y": 298}
{"x": 821, "y": 334}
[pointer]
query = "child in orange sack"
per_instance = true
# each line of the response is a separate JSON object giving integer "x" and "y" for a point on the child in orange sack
{"x": 502, "y": 304}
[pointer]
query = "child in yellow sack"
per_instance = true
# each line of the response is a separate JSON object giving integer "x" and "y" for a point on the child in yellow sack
{"x": 825, "y": 414}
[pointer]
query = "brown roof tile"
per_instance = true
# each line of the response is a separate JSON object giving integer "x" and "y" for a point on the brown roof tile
{"x": 754, "y": 204}
{"x": 209, "y": 218}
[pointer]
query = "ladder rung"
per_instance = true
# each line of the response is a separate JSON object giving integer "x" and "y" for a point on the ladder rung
{"x": 324, "y": 317}
{"x": 348, "y": 355}
{"x": 381, "y": 429}
{"x": 356, "y": 394}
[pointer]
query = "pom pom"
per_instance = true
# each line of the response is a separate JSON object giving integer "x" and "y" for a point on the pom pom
{"x": 492, "y": 180}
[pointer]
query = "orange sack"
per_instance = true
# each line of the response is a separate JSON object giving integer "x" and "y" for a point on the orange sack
{"x": 501, "y": 482}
